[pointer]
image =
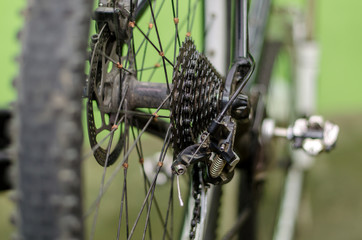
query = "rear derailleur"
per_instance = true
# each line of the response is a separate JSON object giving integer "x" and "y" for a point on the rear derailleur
{"x": 214, "y": 152}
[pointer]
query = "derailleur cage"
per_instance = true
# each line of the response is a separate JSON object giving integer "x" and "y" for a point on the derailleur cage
{"x": 215, "y": 149}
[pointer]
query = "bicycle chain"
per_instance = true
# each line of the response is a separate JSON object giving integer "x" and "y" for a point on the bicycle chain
{"x": 195, "y": 96}
{"x": 196, "y": 194}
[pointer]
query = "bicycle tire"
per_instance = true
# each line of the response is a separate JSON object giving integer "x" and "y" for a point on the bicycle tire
{"x": 48, "y": 117}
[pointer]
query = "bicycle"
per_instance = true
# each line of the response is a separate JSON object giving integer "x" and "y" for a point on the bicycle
{"x": 208, "y": 117}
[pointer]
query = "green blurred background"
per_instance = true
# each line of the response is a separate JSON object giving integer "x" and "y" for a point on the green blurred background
{"x": 337, "y": 30}
{"x": 332, "y": 207}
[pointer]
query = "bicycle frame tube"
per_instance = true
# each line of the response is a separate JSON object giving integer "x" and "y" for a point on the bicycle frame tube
{"x": 249, "y": 28}
{"x": 216, "y": 34}
{"x": 258, "y": 18}
{"x": 243, "y": 64}
{"x": 241, "y": 30}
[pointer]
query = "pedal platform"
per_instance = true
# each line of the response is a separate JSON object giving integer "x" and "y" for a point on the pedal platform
{"x": 314, "y": 135}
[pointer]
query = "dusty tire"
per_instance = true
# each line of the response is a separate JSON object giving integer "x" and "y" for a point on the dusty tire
{"x": 48, "y": 125}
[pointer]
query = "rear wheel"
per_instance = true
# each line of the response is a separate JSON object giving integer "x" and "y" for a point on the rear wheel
{"x": 127, "y": 54}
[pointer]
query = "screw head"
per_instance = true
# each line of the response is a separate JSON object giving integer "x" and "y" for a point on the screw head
{"x": 222, "y": 147}
{"x": 179, "y": 169}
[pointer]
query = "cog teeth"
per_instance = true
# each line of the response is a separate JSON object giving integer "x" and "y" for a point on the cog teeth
{"x": 195, "y": 95}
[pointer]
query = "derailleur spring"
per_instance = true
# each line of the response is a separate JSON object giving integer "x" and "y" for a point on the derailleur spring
{"x": 217, "y": 166}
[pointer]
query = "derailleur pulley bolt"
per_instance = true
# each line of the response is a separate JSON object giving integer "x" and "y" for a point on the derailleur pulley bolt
{"x": 222, "y": 147}
{"x": 179, "y": 169}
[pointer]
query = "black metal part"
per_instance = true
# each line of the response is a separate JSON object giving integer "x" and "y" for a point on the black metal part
{"x": 221, "y": 130}
{"x": 221, "y": 143}
{"x": 227, "y": 177}
{"x": 241, "y": 30}
{"x": 106, "y": 15}
{"x": 314, "y": 134}
{"x": 136, "y": 13}
{"x": 309, "y": 134}
{"x": 240, "y": 109}
{"x": 5, "y": 162}
{"x": 190, "y": 156}
{"x": 196, "y": 194}
{"x": 237, "y": 75}
{"x": 222, "y": 138}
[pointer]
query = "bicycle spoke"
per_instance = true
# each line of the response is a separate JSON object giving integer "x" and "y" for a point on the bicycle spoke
{"x": 194, "y": 14}
{"x": 119, "y": 166}
{"x": 101, "y": 188}
{"x": 118, "y": 64}
{"x": 188, "y": 17}
{"x": 105, "y": 167}
{"x": 150, "y": 25}
{"x": 162, "y": 158}
{"x": 149, "y": 29}
{"x": 162, "y": 54}
{"x": 154, "y": 46}
{"x": 176, "y": 20}
{"x": 131, "y": 50}
{"x": 124, "y": 190}
{"x": 146, "y": 180}
{"x": 167, "y": 47}
{"x": 169, "y": 207}
{"x": 144, "y": 58}
{"x": 169, "y": 44}
{"x": 148, "y": 211}
{"x": 133, "y": 53}
{"x": 157, "y": 65}
{"x": 152, "y": 188}
{"x": 98, "y": 145}
{"x": 140, "y": 113}
{"x": 118, "y": 28}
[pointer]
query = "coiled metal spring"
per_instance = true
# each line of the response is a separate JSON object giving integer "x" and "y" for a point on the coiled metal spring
{"x": 217, "y": 166}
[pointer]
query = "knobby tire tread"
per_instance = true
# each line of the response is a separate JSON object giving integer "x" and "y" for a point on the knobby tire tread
{"x": 48, "y": 114}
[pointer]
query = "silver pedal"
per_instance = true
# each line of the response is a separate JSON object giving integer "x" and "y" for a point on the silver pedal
{"x": 314, "y": 135}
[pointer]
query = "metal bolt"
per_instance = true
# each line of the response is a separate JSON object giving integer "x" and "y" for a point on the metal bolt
{"x": 179, "y": 169}
{"x": 94, "y": 38}
{"x": 222, "y": 147}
